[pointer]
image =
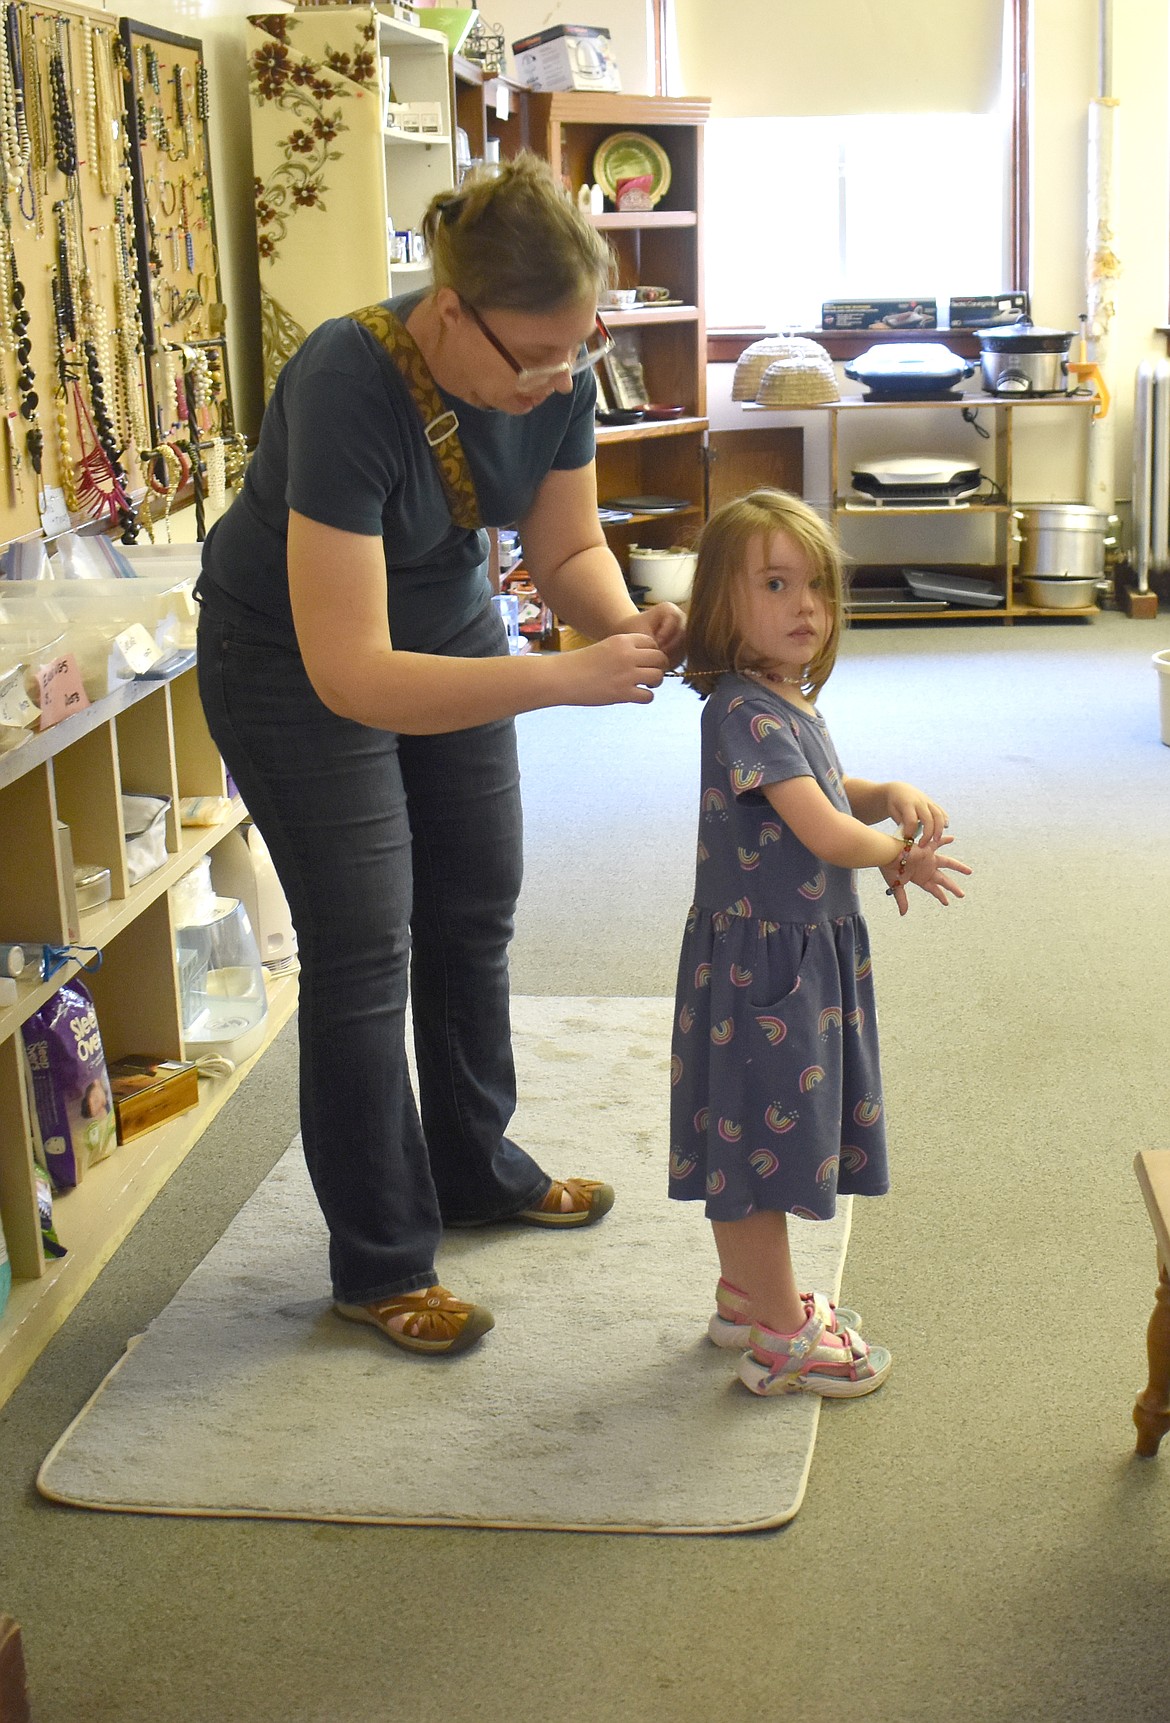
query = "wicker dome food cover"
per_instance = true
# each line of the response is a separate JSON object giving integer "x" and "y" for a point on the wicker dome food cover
{"x": 755, "y": 360}
{"x": 801, "y": 380}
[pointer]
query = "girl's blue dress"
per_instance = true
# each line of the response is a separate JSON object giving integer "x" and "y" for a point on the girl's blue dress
{"x": 776, "y": 1098}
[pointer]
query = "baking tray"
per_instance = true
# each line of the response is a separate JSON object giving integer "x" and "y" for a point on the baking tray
{"x": 890, "y": 598}
{"x": 962, "y": 589}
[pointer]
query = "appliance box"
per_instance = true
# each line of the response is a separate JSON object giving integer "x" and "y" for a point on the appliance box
{"x": 567, "y": 57}
{"x": 879, "y": 314}
{"x": 990, "y": 309}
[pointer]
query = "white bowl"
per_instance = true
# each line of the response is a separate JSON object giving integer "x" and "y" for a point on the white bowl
{"x": 666, "y": 574}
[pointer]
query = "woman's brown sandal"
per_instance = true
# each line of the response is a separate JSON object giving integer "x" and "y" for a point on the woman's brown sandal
{"x": 437, "y": 1324}
{"x": 590, "y": 1200}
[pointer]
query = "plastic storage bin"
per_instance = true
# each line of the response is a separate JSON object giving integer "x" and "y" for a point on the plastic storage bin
{"x": 1161, "y": 663}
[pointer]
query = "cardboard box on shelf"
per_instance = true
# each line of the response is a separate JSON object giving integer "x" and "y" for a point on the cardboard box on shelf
{"x": 879, "y": 314}
{"x": 567, "y": 57}
{"x": 987, "y": 309}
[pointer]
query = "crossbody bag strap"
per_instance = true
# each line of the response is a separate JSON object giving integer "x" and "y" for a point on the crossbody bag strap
{"x": 439, "y": 424}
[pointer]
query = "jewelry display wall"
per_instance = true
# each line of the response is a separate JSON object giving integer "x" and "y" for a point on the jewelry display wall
{"x": 193, "y": 430}
{"x": 73, "y": 400}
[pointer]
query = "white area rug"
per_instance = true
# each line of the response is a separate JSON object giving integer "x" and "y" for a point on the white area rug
{"x": 596, "y": 1403}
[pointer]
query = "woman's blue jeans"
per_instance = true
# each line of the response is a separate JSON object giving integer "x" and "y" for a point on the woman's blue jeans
{"x": 400, "y": 857}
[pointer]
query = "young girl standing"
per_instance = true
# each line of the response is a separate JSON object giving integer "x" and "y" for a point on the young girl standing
{"x": 776, "y": 1104}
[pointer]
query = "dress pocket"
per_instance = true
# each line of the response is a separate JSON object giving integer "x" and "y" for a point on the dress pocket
{"x": 779, "y": 963}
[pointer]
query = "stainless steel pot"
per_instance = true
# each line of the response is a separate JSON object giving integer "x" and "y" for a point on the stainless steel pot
{"x": 1062, "y": 541}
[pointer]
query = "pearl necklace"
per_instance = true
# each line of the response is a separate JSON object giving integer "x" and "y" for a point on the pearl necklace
{"x": 770, "y": 676}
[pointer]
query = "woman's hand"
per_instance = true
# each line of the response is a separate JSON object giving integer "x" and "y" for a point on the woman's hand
{"x": 617, "y": 671}
{"x": 910, "y": 808}
{"x": 923, "y": 866}
{"x": 667, "y": 627}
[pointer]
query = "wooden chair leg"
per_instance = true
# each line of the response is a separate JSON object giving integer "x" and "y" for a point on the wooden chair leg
{"x": 13, "y": 1690}
{"x": 1151, "y": 1413}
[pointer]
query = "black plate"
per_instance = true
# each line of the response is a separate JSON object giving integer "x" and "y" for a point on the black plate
{"x": 648, "y": 505}
{"x": 620, "y": 415}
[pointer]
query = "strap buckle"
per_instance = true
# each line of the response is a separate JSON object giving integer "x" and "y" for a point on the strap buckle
{"x": 440, "y": 428}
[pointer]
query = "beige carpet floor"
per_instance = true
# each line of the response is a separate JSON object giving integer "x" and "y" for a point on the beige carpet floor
{"x": 596, "y": 1404}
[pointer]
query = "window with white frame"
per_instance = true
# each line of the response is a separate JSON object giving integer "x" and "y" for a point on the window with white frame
{"x": 800, "y": 210}
{"x": 857, "y": 149}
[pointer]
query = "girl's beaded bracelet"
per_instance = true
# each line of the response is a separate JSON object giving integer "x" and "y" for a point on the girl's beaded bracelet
{"x": 907, "y": 846}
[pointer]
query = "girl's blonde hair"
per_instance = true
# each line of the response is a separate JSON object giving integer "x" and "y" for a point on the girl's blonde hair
{"x": 510, "y": 239}
{"x": 715, "y": 643}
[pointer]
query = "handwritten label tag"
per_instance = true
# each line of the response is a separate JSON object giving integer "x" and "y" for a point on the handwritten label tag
{"x": 16, "y": 709}
{"x": 135, "y": 648}
{"x": 503, "y": 101}
{"x": 62, "y": 690}
{"x": 53, "y": 511}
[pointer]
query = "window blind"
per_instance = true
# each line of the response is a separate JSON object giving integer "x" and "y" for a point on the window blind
{"x": 761, "y": 58}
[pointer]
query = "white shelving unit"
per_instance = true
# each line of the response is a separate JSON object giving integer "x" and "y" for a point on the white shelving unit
{"x": 417, "y": 165}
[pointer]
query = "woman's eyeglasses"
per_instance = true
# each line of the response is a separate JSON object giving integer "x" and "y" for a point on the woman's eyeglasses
{"x": 530, "y": 379}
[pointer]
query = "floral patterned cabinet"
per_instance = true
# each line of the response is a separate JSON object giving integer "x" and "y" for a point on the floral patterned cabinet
{"x": 333, "y": 181}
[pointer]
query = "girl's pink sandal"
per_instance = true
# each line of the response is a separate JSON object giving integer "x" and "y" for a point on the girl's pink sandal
{"x": 837, "y": 1366}
{"x": 731, "y": 1325}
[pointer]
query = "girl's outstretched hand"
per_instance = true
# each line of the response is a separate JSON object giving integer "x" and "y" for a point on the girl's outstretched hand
{"x": 910, "y": 808}
{"x": 924, "y": 867}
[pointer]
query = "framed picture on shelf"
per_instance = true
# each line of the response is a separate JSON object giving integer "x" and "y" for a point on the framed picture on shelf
{"x": 624, "y": 380}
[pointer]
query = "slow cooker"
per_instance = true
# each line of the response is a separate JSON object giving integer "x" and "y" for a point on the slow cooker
{"x": 909, "y": 371}
{"x": 1024, "y": 359}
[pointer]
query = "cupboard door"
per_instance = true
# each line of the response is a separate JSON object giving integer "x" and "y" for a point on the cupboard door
{"x": 742, "y": 461}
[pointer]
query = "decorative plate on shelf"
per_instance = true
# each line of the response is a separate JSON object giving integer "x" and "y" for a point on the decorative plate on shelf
{"x": 625, "y": 155}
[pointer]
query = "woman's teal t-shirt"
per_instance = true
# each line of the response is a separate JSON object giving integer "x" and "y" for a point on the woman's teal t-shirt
{"x": 342, "y": 443}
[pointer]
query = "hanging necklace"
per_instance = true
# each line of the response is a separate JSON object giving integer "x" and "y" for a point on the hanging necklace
{"x": 25, "y": 377}
{"x": 103, "y": 104}
{"x": 64, "y": 132}
{"x": 65, "y": 376}
{"x": 36, "y": 119}
{"x": 9, "y": 133}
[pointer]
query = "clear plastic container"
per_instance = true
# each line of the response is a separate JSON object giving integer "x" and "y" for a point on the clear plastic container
{"x": 32, "y": 631}
{"x": 221, "y": 978}
{"x": 160, "y": 604}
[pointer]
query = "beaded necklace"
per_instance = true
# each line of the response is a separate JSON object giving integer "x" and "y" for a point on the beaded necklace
{"x": 183, "y": 115}
{"x": 14, "y": 90}
{"x": 101, "y": 46}
{"x": 130, "y": 337}
{"x": 7, "y": 356}
{"x": 65, "y": 377}
{"x": 37, "y": 120}
{"x": 9, "y": 132}
{"x": 25, "y": 376}
{"x": 64, "y": 130}
{"x": 778, "y": 681}
{"x": 139, "y": 97}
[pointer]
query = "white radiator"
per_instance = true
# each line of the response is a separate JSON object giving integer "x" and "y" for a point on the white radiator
{"x": 1151, "y": 470}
